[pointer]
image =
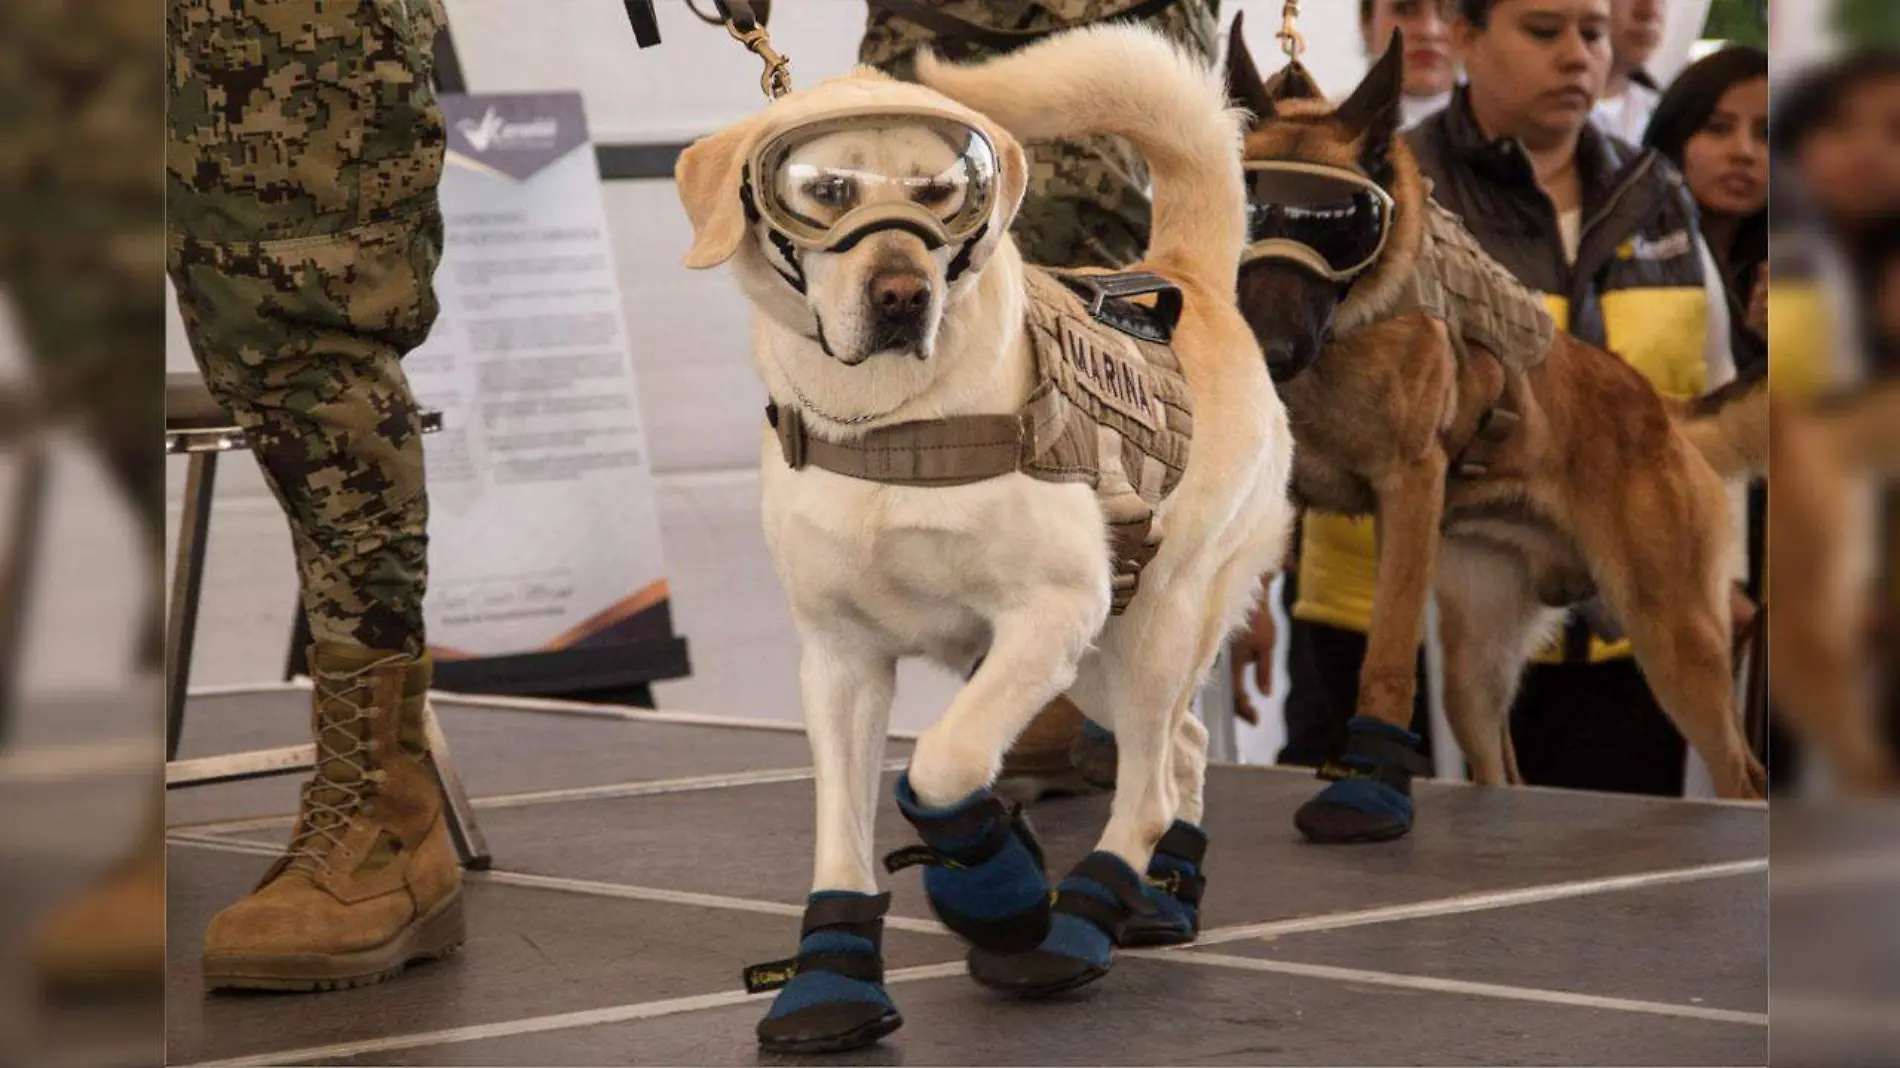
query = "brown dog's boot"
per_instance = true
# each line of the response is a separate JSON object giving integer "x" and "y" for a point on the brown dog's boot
{"x": 369, "y": 882}
{"x": 1042, "y": 762}
{"x": 110, "y": 943}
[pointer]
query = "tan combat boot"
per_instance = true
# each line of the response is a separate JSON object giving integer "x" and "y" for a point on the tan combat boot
{"x": 369, "y": 882}
{"x": 110, "y": 941}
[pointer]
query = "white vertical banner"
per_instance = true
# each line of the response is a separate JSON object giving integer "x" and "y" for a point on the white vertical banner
{"x": 543, "y": 532}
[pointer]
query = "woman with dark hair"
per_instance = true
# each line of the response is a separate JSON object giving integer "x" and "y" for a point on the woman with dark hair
{"x": 1836, "y": 142}
{"x": 1712, "y": 123}
{"x": 1837, "y": 129}
{"x": 1431, "y": 70}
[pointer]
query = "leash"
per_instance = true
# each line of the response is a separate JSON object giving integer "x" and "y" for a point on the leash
{"x": 1291, "y": 40}
{"x": 743, "y": 19}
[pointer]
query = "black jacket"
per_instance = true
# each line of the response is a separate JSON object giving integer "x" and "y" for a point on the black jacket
{"x": 1639, "y": 221}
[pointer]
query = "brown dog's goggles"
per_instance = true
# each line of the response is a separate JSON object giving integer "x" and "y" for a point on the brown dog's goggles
{"x": 1329, "y": 220}
{"x": 828, "y": 183}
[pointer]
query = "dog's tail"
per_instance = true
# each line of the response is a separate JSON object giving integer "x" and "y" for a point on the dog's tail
{"x": 1130, "y": 82}
{"x": 1729, "y": 426}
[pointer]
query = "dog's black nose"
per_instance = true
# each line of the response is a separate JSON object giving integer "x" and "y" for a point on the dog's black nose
{"x": 1282, "y": 362}
{"x": 897, "y": 296}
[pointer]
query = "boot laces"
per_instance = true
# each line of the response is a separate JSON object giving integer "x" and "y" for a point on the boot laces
{"x": 329, "y": 802}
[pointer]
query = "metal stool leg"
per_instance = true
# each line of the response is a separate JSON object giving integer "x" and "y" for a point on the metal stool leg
{"x": 16, "y": 577}
{"x": 469, "y": 843}
{"x": 187, "y": 581}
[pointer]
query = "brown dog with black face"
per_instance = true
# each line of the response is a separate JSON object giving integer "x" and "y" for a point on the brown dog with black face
{"x": 1513, "y": 483}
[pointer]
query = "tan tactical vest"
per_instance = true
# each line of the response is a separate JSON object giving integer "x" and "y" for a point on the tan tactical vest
{"x": 1484, "y": 308}
{"x": 1482, "y": 304}
{"x": 1110, "y": 409}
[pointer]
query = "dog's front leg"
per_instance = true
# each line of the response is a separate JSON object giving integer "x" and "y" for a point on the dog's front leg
{"x": 984, "y": 874}
{"x": 846, "y": 688}
{"x": 1370, "y": 797}
{"x": 833, "y": 996}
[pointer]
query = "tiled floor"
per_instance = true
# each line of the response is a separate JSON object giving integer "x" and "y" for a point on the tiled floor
{"x": 1513, "y": 926}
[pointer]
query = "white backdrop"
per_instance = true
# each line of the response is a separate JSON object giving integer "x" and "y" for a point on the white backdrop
{"x": 699, "y": 79}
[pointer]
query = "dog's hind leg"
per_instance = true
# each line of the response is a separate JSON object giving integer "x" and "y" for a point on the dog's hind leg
{"x": 832, "y": 995}
{"x": 1489, "y": 623}
{"x": 1370, "y": 796}
{"x": 1175, "y": 879}
{"x": 1668, "y": 592}
{"x": 985, "y": 877}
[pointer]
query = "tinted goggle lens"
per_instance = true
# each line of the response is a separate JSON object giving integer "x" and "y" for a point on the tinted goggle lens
{"x": 1346, "y": 234}
{"x": 1338, "y": 216}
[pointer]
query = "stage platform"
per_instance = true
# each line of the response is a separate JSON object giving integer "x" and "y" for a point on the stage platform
{"x": 641, "y": 861}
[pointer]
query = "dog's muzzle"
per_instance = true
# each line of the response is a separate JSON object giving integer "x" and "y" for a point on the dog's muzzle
{"x": 1331, "y": 221}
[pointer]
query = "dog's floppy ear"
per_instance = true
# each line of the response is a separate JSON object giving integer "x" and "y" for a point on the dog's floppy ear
{"x": 708, "y": 175}
{"x": 1012, "y": 168}
{"x": 1245, "y": 87}
{"x": 1373, "y": 110}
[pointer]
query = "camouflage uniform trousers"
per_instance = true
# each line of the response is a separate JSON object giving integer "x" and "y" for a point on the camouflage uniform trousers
{"x": 303, "y": 157}
{"x": 1087, "y": 201}
{"x": 81, "y": 243}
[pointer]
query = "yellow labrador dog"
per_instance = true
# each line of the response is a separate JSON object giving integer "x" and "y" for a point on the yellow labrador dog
{"x": 963, "y": 463}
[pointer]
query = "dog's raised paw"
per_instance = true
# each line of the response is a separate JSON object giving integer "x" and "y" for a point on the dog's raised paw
{"x": 831, "y": 996}
{"x": 1174, "y": 886}
{"x": 983, "y": 871}
{"x": 1093, "y": 903}
{"x": 1370, "y": 796}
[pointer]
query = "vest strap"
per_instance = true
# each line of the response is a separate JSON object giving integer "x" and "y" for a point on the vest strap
{"x": 935, "y": 452}
{"x": 1495, "y": 428}
{"x": 1108, "y": 298}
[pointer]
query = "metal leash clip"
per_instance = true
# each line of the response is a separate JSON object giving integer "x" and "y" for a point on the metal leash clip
{"x": 1291, "y": 40}
{"x": 776, "y": 81}
{"x": 746, "y": 29}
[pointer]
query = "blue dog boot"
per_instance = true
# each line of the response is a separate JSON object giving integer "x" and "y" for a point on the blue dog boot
{"x": 1093, "y": 903}
{"x": 831, "y": 996}
{"x": 1370, "y": 799}
{"x": 984, "y": 874}
{"x": 1174, "y": 887}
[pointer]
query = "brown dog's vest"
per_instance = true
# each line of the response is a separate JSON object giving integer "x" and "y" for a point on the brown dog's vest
{"x": 1484, "y": 307}
{"x": 1111, "y": 409}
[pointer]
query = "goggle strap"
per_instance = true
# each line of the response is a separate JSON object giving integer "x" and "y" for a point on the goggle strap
{"x": 961, "y": 262}
{"x": 796, "y": 279}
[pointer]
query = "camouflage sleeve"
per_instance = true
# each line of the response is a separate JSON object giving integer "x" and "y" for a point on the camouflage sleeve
{"x": 889, "y": 38}
{"x": 1087, "y": 201}
{"x": 81, "y": 237}
{"x": 304, "y": 151}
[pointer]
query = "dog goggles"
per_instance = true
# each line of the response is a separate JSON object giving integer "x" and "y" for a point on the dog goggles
{"x": 1330, "y": 220}
{"x": 829, "y": 183}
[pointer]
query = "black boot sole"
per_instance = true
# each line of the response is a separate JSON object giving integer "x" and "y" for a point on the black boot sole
{"x": 856, "y": 1038}
{"x": 979, "y": 969}
{"x": 1172, "y": 936}
{"x": 1370, "y": 835}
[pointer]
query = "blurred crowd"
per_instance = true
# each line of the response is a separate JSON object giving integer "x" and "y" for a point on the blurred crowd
{"x": 1817, "y": 176}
